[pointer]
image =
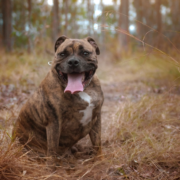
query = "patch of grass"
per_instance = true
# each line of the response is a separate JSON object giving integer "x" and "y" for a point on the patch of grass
{"x": 147, "y": 136}
{"x": 14, "y": 164}
{"x": 139, "y": 67}
{"x": 20, "y": 65}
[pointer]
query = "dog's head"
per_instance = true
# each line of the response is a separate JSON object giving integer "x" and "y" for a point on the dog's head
{"x": 75, "y": 62}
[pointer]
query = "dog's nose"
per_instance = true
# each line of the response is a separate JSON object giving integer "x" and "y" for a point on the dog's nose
{"x": 73, "y": 62}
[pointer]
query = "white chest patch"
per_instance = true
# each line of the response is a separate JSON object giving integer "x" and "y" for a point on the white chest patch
{"x": 87, "y": 117}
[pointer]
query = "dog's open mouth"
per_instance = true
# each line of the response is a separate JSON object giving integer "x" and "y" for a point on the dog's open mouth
{"x": 76, "y": 82}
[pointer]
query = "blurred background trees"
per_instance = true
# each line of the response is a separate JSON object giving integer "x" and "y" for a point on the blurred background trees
{"x": 25, "y": 24}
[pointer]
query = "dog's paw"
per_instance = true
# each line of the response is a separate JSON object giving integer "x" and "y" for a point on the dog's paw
{"x": 74, "y": 150}
{"x": 83, "y": 151}
{"x": 51, "y": 163}
{"x": 99, "y": 155}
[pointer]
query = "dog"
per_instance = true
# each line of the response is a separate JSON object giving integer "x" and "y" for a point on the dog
{"x": 67, "y": 105}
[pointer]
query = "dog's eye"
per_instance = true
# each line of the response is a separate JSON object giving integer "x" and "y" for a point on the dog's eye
{"x": 85, "y": 53}
{"x": 62, "y": 54}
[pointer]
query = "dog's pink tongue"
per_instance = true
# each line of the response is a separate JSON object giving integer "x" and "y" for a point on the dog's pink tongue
{"x": 74, "y": 83}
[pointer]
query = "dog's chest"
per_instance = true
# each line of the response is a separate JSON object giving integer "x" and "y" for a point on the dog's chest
{"x": 87, "y": 112}
{"x": 80, "y": 111}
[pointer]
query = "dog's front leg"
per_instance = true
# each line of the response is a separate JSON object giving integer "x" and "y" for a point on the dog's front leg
{"x": 95, "y": 135}
{"x": 53, "y": 131}
{"x": 53, "y": 135}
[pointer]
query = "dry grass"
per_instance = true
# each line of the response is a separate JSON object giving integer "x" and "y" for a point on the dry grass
{"x": 14, "y": 164}
{"x": 140, "y": 121}
{"x": 148, "y": 133}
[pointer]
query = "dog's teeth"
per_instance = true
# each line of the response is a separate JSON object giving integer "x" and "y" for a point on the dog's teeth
{"x": 83, "y": 77}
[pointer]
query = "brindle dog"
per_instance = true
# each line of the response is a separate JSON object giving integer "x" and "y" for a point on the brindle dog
{"x": 67, "y": 105}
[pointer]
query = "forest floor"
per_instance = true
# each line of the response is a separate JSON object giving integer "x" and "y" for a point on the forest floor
{"x": 140, "y": 121}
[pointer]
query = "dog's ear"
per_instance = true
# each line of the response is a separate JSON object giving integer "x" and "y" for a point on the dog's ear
{"x": 93, "y": 43}
{"x": 59, "y": 41}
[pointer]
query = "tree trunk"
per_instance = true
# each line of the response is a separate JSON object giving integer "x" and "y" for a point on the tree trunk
{"x": 92, "y": 17}
{"x": 139, "y": 14}
{"x": 66, "y": 17}
{"x": 175, "y": 5}
{"x": 1, "y": 26}
{"x": 74, "y": 29}
{"x": 149, "y": 18}
{"x": 56, "y": 20}
{"x": 30, "y": 43}
{"x": 102, "y": 23}
{"x": 124, "y": 24}
{"x": 89, "y": 16}
{"x": 159, "y": 22}
{"x": 7, "y": 24}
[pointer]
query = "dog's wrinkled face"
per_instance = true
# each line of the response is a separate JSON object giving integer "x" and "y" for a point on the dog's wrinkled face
{"x": 75, "y": 62}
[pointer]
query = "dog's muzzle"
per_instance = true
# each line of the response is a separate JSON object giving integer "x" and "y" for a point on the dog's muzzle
{"x": 75, "y": 81}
